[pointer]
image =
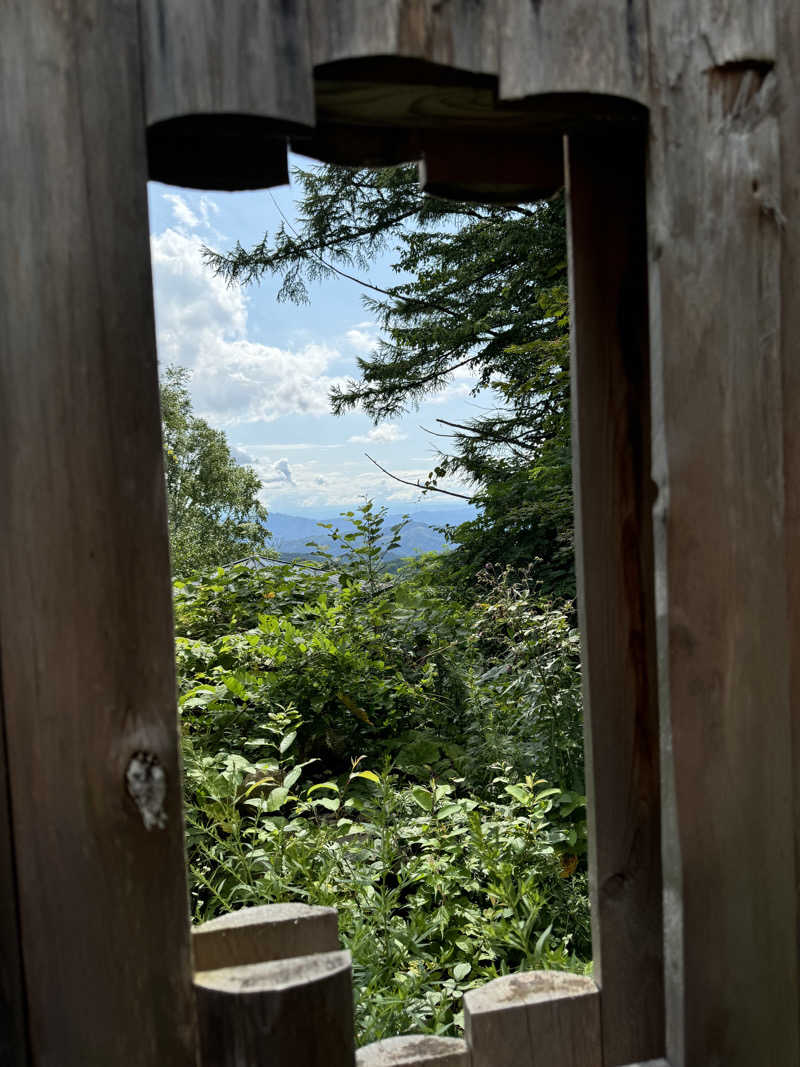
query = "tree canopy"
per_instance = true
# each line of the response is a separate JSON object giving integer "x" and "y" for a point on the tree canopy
{"x": 212, "y": 501}
{"x": 482, "y": 290}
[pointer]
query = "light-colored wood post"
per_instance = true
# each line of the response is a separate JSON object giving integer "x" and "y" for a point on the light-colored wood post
{"x": 716, "y": 231}
{"x": 415, "y": 1050}
{"x": 457, "y": 36}
{"x": 616, "y": 590}
{"x": 85, "y": 600}
{"x": 285, "y": 1013}
{"x": 534, "y": 1019}
{"x": 270, "y": 932}
{"x": 225, "y": 84}
{"x": 575, "y": 74}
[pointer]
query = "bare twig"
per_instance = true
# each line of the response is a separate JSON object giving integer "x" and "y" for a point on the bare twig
{"x": 417, "y": 485}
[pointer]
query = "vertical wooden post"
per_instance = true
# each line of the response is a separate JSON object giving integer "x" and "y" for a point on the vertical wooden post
{"x": 788, "y": 73}
{"x": 260, "y": 934}
{"x": 534, "y": 1019}
{"x": 614, "y": 556}
{"x": 715, "y": 235}
{"x": 286, "y": 1013}
{"x": 13, "y": 1036}
{"x": 85, "y": 612}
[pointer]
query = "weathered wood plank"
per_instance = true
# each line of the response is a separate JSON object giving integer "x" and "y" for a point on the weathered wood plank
{"x": 224, "y": 85}
{"x": 360, "y": 146}
{"x": 534, "y": 1019}
{"x": 13, "y": 1035}
{"x": 549, "y": 47}
{"x": 286, "y": 1012}
{"x": 715, "y": 246}
{"x": 85, "y": 605}
{"x": 415, "y": 1050}
{"x": 788, "y": 74}
{"x": 616, "y": 591}
{"x": 460, "y": 34}
{"x": 270, "y": 932}
{"x": 492, "y": 169}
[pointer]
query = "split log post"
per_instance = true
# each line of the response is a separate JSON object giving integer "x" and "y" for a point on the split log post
{"x": 460, "y": 35}
{"x": 225, "y": 84}
{"x": 286, "y": 1012}
{"x": 13, "y": 1035}
{"x": 564, "y": 53}
{"x": 415, "y": 1050}
{"x": 715, "y": 239}
{"x": 85, "y": 600}
{"x": 788, "y": 73}
{"x": 616, "y": 591}
{"x": 270, "y": 932}
{"x": 387, "y": 71}
{"x": 534, "y": 1019}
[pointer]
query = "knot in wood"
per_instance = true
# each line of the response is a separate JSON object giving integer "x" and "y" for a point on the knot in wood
{"x": 146, "y": 780}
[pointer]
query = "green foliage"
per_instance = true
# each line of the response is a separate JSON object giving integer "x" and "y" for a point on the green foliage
{"x": 212, "y": 501}
{"x": 364, "y": 740}
{"x": 484, "y": 289}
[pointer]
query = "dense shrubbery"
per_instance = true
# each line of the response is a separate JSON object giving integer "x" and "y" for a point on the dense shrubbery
{"x": 367, "y": 741}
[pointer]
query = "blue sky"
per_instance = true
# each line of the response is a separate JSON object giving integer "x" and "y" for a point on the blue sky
{"x": 262, "y": 370}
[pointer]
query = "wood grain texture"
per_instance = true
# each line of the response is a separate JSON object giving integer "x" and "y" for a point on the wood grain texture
{"x": 415, "y": 1050}
{"x": 460, "y": 34}
{"x": 85, "y": 599}
{"x": 584, "y": 46}
{"x": 270, "y": 932}
{"x": 13, "y": 1033}
{"x": 224, "y": 84}
{"x": 491, "y": 169}
{"x": 715, "y": 252}
{"x": 616, "y": 593}
{"x": 534, "y": 1019}
{"x": 788, "y": 74}
{"x": 286, "y": 1012}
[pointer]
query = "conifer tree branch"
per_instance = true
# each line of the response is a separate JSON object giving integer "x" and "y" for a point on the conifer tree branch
{"x": 417, "y": 485}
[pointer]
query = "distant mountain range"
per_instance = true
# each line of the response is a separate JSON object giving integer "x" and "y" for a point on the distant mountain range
{"x": 290, "y": 533}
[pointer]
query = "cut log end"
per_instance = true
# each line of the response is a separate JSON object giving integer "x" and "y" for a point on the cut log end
{"x": 415, "y": 1050}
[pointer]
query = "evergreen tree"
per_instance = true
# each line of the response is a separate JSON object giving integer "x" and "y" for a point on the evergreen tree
{"x": 482, "y": 288}
{"x": 212, "y": 501}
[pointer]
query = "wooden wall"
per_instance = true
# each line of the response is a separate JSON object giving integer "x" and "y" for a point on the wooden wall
{"x": 85, "y": 600}
{"x": 92, "y": 897}
{"x": 715, "y": 236}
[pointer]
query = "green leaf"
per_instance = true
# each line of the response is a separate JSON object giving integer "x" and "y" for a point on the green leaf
{"x": 370, "y": 776}
{"x": 539, "y": 948}
{"x": 287, "y": 741}
{"x": 519, "y": 793}
{"x": 277, "y": 798}
{"x": 292, "y": 777}
{"x": 461, "y": 970}
{"x": 423, "y": 797}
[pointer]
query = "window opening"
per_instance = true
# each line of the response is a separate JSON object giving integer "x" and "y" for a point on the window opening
{"x": 387, "y": 721}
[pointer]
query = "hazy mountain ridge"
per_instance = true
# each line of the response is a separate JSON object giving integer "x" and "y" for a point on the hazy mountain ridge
{"x": 290, "y": 533}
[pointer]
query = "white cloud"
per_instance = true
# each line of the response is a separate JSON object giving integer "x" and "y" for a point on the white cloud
{"x": 184, "y": 215}
{"x": 362, "y": 337}
{"x": 316, "y": 482}
{"x": 202, "y": 324}
{"x": 181, "y": 211}
{"x": 386, "y": 433}
{"x": 279, "y": 474}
